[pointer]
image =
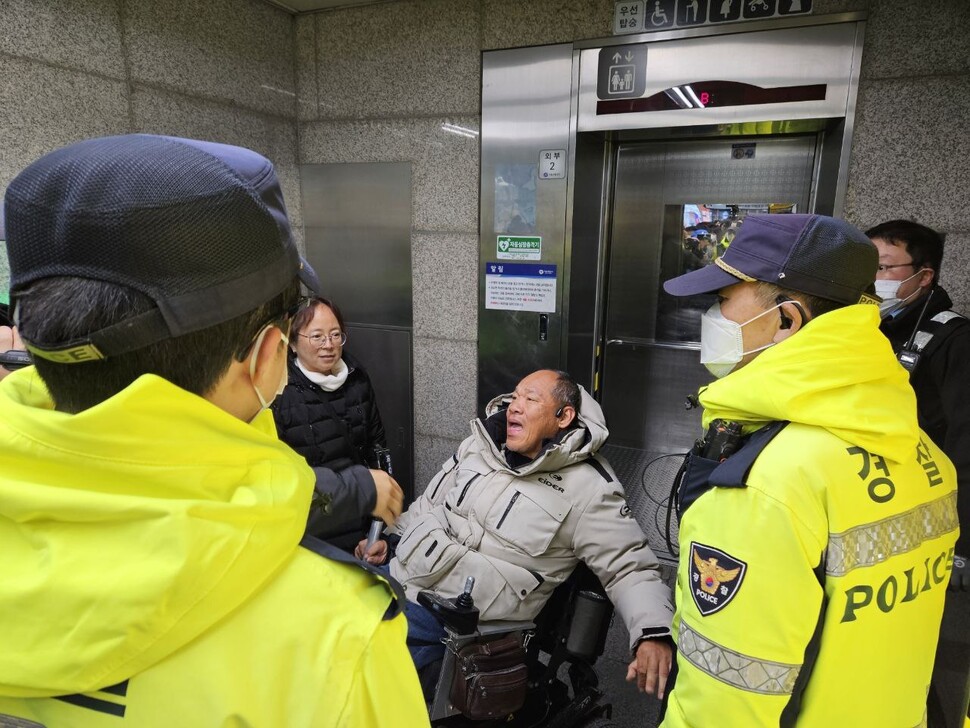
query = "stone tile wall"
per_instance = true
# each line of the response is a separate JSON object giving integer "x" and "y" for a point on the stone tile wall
{"x": 911, "y": 149}
{"x": 223, "y": 70}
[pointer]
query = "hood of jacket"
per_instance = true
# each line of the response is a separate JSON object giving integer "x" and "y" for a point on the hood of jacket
{"x": 131, "y": 528}
{"x": 838, "y": 373}
{"x": 577, "y": 444}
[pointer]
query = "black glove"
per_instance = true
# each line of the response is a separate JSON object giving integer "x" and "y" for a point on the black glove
{"x": 960, "y": 576}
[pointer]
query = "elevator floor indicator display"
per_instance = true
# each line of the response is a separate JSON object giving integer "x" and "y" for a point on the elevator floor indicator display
{"x": 520, "y": 287}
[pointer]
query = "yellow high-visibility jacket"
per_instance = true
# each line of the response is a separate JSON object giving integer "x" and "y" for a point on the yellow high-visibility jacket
{"x": 151, "y": 575}
{"x": 810, "y": 594}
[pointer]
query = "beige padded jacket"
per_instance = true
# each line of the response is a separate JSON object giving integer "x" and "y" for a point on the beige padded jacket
{"x": 521, "y": 533}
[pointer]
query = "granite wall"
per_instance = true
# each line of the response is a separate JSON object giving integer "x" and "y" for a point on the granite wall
{"x": 911, "y": 151}
{"x": 222, "y": 70}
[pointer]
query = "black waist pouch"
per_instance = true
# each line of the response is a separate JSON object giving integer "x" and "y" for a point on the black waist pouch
{"x": 490, "y": 678}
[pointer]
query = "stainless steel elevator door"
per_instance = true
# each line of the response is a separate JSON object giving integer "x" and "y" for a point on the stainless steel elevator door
{"x": 651, "y": 357}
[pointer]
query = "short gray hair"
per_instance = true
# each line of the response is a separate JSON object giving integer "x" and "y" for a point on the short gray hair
{"x": 566, "y": 390}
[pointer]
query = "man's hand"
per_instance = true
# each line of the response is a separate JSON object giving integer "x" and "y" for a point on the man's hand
{"x": 9, "y": 339}
{"x": 390, "y": 497}
{"x": 376, "y": 555}
{"x": 651, "y": 667}
{"x": 960, "y": 576}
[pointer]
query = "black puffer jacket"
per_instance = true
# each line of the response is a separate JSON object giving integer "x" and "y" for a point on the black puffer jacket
{"x": 337, "y": 433}
{"x": 942, "y": 384}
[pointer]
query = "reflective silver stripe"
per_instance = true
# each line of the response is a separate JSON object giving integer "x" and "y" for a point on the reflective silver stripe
{"x": 943, "y": 316}
{"x": 733, "y": 668}
{"x": 922, "y": 339}
{"x": 873, "y": 543}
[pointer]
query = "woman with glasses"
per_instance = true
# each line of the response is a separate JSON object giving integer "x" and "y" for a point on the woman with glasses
{"x": 328, "y": 413}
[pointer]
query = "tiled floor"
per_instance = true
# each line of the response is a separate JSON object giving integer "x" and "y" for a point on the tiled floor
{"x": 647, "y": 478}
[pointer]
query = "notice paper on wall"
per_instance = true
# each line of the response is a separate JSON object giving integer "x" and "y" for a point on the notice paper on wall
{"x": 520, "y": 287}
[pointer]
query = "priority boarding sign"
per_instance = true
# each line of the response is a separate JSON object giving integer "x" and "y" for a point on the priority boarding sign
{"x": 644, "y": 16}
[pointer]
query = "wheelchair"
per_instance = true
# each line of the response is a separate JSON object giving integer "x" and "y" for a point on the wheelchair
{"x": 556, "y": 675}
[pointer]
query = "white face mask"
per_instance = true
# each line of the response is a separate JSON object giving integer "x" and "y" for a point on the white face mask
{"x": 252, "y": 370}
{"x": 888, "y": 290}
{"x": 722, "y": 345}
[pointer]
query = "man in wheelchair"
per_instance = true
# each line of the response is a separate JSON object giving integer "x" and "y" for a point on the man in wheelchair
{"x": 523, "y": 502}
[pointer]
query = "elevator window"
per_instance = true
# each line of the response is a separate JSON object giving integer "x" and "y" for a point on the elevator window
{"x": 515, "y": 199}
{"x": 695, "y": 235}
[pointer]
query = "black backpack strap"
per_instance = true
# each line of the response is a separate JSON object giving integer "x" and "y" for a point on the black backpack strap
{"x": 733, "y": 472}
{"x": 331, "y": 552}
{"x": 699, "y": 474}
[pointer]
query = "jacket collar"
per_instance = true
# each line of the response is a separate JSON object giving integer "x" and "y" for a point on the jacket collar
{"x": 902, "y": 324}
{"x": 494, "y": 427}
{"x": 299, "y": 379}
{"x": 838, "y": 373}
{"x": 574, "y": 444}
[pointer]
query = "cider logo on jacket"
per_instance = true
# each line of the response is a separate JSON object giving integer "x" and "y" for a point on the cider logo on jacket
{"x": 715, "y": 578}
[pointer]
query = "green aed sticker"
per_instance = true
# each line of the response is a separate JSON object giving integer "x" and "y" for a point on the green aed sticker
{"x": 518, "y": 247}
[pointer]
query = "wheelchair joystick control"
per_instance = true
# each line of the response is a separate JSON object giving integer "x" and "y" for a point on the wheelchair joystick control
{"x": 458, "y": 615}
{"x": 465, "y": 600}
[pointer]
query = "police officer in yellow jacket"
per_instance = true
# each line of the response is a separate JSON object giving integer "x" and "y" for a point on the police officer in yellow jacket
{"x": 817, "y": 521}
{"x": 152, "y": 567}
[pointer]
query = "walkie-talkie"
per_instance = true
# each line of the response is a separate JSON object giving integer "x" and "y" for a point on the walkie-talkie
{"x": 722, "y": 440}
{"x": 908, "y": 355}
{"x": 383, "y": 456}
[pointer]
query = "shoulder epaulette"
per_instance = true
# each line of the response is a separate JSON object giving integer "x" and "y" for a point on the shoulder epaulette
{"x": 923, "y": 338}
{"x": 943, "y": 316}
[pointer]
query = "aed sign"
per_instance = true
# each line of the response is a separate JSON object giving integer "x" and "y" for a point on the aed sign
{"x": 518, "y": 247}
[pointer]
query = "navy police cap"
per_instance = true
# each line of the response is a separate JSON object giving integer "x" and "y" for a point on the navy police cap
{"x": 814, "y": 254}
{"x": 198, "y": 227}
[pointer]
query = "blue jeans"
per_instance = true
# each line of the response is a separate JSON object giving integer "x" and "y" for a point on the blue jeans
{"x": 424, "y": 633}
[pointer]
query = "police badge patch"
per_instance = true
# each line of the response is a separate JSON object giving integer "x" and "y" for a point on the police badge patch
{"x": 715, "y": 578}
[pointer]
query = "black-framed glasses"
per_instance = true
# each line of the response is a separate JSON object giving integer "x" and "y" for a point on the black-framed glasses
{"x": 337, "y": 339}
{"x": 883, "y": 268}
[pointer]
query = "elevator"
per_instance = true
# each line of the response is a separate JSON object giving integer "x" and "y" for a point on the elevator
{"x": 611, "y": 166}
